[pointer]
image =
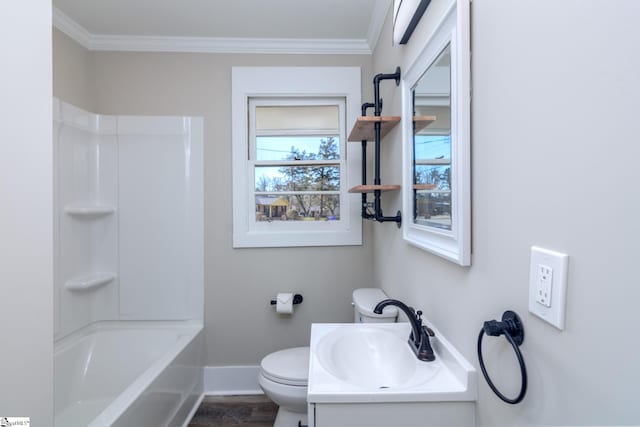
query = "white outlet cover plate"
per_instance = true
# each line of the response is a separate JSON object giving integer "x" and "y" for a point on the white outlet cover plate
{"x": 559, "y": 262}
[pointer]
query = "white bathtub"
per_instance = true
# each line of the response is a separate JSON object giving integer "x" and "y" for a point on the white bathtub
{"x": 128, "y": 374}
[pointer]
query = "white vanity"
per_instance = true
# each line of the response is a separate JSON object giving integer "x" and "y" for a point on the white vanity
{"x": 367, "y": 375}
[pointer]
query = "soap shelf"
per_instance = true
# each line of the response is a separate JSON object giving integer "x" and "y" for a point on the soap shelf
{"x": 89, "y": 210}
{"x": 89, "y": 282}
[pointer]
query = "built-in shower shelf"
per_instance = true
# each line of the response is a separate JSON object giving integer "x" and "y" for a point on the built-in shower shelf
{"x": 88, "y": 282}
{"x": 89, "y": 210}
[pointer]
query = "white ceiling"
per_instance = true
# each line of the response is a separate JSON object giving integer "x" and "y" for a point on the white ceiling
{"x": 329, "y": 24}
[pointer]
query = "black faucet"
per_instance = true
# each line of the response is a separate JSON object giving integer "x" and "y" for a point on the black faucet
{"x": 419, "y": 338}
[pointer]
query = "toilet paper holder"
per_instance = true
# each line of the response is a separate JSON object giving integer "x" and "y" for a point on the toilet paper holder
{"x": 297, "y": 299}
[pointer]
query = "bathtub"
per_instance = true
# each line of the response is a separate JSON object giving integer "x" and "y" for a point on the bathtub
{"x": 128, "y": 374}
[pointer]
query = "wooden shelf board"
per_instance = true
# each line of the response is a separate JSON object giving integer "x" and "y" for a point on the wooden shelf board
{"x": 372, "y": 188}
{"x": 424, "y": 186}
{"x": 421, "y": 122}
{"x": 363, "y": 129}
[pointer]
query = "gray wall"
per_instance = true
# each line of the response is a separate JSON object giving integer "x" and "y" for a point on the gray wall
{"x": 26, "y": 221}
{"x": 554, "y": 164}
{"x": 241, "y": 326}
{"x": 72, "y": 79}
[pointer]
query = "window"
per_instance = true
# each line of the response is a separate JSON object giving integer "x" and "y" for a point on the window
{"x": 295, "y": 147}
{"x": 290, "y": 157}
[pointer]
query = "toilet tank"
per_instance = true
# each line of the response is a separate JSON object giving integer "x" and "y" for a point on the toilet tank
{"x": 365, "y": 300}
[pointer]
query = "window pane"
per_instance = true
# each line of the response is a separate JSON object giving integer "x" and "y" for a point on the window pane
{"x": 297, "y": 148}
{"x": 433, "y": 170}
{"x": 297, "y": 178}
{"x": 325, "y": 118}
{"x": 297, "y": 207}
{"x": 432, "y": 147}
{"x": 440, "y": 176}
{"x": 433, "y": 208}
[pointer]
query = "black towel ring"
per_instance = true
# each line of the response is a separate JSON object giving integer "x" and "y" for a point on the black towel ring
{"x": 511, "y": 327}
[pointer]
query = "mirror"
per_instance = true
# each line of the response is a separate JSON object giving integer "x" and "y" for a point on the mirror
{"x": 432, "y": 145}
{"x": 436, "y": 141}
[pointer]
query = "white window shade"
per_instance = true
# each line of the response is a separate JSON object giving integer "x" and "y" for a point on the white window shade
{"x": 319, "y": 118}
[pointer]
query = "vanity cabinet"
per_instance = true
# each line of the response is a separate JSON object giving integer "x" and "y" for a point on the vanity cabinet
{"x": 365, "y": 374}
{"x": 396, "y": 414}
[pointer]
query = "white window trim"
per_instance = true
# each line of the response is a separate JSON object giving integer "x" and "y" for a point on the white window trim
{"x": 253, "y": 82}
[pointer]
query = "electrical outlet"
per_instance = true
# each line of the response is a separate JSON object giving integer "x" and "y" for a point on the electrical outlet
{"x": 544, "y": 283}
{"x": 548, "y": 285}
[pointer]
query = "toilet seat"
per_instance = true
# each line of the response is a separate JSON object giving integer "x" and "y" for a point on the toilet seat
{"x": 289, "y": 366}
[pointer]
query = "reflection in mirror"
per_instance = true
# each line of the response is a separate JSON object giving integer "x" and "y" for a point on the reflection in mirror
{"x": 432, "y": 145}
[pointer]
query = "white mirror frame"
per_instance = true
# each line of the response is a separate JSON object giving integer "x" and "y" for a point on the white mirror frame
{"x": 453, "y": 245}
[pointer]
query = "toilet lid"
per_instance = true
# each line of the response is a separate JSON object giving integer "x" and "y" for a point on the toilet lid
{"x": 290, "y": 366}
{"x": 366, "y": 299}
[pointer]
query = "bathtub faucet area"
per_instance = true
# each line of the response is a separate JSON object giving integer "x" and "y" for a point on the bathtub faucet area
{"x": 419, "y": 338}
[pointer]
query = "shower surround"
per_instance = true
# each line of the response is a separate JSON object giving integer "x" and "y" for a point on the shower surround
{"x": 128, "y": 235}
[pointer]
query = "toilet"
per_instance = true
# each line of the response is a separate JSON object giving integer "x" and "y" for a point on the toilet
{"x": 284, "y": 374}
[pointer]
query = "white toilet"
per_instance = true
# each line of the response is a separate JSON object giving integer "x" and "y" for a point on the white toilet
{"x": 284, "y": 374}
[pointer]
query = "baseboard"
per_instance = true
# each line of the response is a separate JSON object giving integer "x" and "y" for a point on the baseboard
{"x": 229, "y": 380}
{"x": 226, "y": 380}
{"x": 193, "y": 410}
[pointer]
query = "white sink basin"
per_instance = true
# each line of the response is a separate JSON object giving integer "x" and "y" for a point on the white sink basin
{"x": 373, "y": 358}
{"x": 372, "y": 362}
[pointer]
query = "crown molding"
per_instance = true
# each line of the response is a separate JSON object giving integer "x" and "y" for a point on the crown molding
{"x": 71, "y": 28}
{"x": 229, "y": 45}
{"x": 125, "y": 43}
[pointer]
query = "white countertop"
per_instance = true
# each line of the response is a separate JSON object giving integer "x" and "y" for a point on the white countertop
{"x": 449, "y": 378}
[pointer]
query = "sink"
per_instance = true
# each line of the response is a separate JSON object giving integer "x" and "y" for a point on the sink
{"x": 372, "y": 362}
{"x": 373, "y": 358}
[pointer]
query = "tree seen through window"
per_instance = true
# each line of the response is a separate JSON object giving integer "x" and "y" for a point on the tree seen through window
{"x": 310, "y": 188}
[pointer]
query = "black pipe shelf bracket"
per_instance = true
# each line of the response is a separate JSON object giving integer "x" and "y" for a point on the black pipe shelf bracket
{"x": 368, "y": 128}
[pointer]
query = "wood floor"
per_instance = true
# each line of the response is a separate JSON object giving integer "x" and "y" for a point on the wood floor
{"x": 227, "y": 411}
